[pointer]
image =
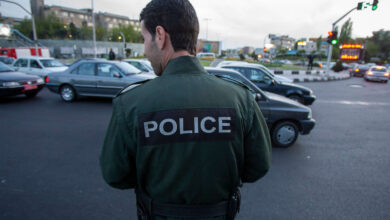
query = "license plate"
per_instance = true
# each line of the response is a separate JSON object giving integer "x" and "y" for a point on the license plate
{"x": 30, "y": 87}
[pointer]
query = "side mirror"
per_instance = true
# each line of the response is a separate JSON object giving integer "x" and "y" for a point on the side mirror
{"x": 117, "y": 75}
{"x": 257, "y": 96}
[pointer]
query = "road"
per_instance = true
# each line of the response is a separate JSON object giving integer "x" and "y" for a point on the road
{"x": 49, "y": 160}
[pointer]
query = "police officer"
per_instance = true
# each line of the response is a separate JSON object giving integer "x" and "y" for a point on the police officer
{"x": 185, "y": 140}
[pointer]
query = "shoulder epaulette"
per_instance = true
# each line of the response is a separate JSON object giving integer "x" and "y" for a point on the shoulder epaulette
{"x": 131, "y": 86}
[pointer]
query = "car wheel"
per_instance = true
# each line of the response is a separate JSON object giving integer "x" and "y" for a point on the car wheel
{"x": 284, "y": 134}
{"x": 67, "y": 93}
{"x": 296, "y": 98}
{"x": 31, "y": 94}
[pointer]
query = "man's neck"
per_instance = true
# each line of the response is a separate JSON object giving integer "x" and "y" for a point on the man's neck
{"x": 174, "y": 55}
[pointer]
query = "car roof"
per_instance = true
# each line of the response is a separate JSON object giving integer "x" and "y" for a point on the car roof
{"x": 38, "y": 58}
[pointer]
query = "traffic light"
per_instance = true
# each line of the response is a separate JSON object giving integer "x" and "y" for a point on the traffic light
{"x": 374, "y": 5}
{"x": 360, "y": 6}
{"x": 332, "y": 37}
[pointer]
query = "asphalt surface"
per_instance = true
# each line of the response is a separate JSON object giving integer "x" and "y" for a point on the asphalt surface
{"x": 49, "y": 160}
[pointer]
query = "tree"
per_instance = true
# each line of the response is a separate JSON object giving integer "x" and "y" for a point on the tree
{"x": 345, "y": 35}
{"x": 382, "y": 39}
{"x": 319, "y": 42}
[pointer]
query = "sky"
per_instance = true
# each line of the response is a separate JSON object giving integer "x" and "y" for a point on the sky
{"x": 249, "y": 22}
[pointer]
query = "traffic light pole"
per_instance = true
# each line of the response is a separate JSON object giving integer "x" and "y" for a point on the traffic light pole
{"x": 330, "y": 49}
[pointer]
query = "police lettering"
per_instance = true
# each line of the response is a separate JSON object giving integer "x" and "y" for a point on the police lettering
{"x": 186, "y": 125}
{"x": 207, "y": 125}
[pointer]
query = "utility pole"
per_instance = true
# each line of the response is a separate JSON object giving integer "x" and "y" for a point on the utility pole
{"x": 32, "y": 21}
{"x": 93, "y": 31}
{"x": 124, "y": 42}
{"x": 207, "y": 27}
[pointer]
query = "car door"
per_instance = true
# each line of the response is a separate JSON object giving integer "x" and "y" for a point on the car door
{"x": 84, "y": 81}
{"x": 35, "y": 68}
{"x": 21, "y": 65}
{"x": 109, "y": 79}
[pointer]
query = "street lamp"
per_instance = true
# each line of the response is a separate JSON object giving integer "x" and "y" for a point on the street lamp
{"x": 32, "y": 21}
{"x": 93, "y": 31}
{"x": 124, "y": 41}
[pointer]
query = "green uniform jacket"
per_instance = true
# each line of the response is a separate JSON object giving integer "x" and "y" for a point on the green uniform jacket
{"x": 186, "y": 137}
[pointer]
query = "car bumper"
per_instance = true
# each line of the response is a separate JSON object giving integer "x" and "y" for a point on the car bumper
{"x": 376, "y": 78}
{"x": 18, "y": 90}
{"x": 308, "y": 99}
{"x": 54, "y": 87}
{"x": 307, "y": 126}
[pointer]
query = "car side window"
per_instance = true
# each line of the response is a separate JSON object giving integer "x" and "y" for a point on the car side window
{"x": 139, "y": 66}
{"x": 87, "y": 69}
{"x": 256, "y": 75}
{"x": 21, "y": 63}
{"x": 35, "y": 64}
{"x": 106, "y": 70}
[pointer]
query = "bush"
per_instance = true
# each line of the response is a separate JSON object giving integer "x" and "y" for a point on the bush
{"x": 338, "y": 67}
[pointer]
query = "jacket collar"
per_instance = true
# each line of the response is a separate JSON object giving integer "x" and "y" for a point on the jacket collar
{"x": 183, "y": 65}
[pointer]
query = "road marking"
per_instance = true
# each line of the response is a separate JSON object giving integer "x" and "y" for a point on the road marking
{"x": 346, "y": 102}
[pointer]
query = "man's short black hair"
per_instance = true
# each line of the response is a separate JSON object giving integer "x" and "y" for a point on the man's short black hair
{"x": 178, "y": 18}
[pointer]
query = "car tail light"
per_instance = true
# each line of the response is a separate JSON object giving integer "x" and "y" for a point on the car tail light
{"x": 356, "y": 70}
{"x": 387, "y": 74}
{"x": 370, "y": 73}
{"x": 47, "y": 79}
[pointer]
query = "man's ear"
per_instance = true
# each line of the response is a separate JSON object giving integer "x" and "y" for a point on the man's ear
{"x": 161, "y": 37}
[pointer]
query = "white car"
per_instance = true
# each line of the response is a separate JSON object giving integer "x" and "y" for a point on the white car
{"x": 143, "y": 65}
{"x": 39, "y": 66}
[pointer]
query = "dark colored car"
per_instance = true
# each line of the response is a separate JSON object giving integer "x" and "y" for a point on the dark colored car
{"x": 14, "y": 83}
{"x": 100, "y": 78}
{"x": 360, "y": 70}
{"x": 266, "y": 82}
{"x": 285, "y": 118}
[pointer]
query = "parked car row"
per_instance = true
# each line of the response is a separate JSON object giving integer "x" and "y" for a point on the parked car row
{"x": 285, "y": 116}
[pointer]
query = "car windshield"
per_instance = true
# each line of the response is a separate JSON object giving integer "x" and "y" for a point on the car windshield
{"x": 128, "y": 69}
{"x": 51, "y": 63}
{"x": 379, "y": 70}
{"x": 363, "y": 67}
{"x": 6, "y": 60}
{"x": 4, "y": 68}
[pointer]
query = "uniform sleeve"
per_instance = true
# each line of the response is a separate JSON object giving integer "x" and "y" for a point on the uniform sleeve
{"x": 257, "y": 145}
{"x": 117, "y": 162}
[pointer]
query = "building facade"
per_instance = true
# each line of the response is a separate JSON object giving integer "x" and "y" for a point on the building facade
{"x": 282, "y": 41}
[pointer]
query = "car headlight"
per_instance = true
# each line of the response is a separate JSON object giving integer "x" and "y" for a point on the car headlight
{"x": 40, "y": 80}
{"x": 11, "y": 84}
{"x": 309, "y": 114}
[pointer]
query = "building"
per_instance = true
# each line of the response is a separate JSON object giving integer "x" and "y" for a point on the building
{"x": 247, "y": 50}
{"x": 308, "y": 46}
{"x": 83, "y": 17}
{"x": 282, "y": 41}
{"x": 209, "y": 46}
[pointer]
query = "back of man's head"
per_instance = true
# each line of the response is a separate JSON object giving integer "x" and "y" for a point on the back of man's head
{"x": 179, "y": 20}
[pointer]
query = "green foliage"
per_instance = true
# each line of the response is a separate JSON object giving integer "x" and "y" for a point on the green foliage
{"x": 338, "y": 67}
{"x": 242, "y": 57}
{"x": 51, "y": 27}
{"x": 319, "y": 42}
{"x": 345, "y": 35}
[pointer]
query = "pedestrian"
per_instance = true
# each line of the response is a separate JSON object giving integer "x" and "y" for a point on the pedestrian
{"x": 186, "y": 140}
{"x": 111, "y": 55}
{"x": 310, "y": 64}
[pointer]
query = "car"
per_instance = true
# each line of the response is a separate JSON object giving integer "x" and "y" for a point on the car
{"x": 14, "y": 83}
{"x": 267, "y": 82}
{"x": 94, "y": 78}
{"x": 143, "y": 65}
{"x": 7, "y": 60}
{"x": 39, "y": 66}
{"x": 377, "y": 73}
{"x": 360, "y": 70}
{"x": 277, "y": 77}
{"x": 85, "y": 59}
{"x": 206, "y": 56}
{"x": 286, "y": 119}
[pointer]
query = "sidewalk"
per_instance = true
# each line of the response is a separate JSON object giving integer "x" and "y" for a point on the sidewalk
{"x": 312, "y": 76}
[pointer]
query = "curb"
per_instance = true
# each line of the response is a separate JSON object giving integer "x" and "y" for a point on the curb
{"x": 322, "y": 79}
